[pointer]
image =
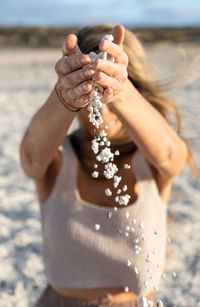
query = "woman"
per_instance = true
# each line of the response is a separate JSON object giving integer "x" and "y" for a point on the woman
{"x": 120, "y": 262}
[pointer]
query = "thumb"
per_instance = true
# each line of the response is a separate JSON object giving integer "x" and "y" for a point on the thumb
{"x": 118, "y": 33}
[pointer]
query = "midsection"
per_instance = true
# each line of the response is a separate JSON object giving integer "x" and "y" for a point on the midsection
{"x": 94, "y": 294}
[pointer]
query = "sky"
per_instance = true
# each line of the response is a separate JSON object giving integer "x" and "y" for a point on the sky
{"x": 155, "y": 13}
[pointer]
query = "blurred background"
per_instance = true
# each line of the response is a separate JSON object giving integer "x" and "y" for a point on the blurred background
{"x": 31, "y": 35}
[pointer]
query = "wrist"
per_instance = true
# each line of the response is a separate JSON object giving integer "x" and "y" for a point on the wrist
{"x": 125, "y": 97}
{"x": 63, "y": 101}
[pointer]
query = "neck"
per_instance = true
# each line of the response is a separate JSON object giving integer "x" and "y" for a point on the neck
{"x": 82, "y": 146}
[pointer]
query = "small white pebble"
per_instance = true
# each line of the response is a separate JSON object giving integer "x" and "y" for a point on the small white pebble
{"x": 115, "y": 208}
{"x": 106, "y": 127}
{"x": 134, "y": 221}
{"x": 160, "y": 303}
{"x": 146, "y": 284}
{"x": 136, "y": 270}
{"x": 117, "y": 199}
{"x": 141, "y": 225}
{"x": 97, "y": 227}
{"x": 128, "y": 228}
{"x": 95, "y": 165}
{"x": 103, "y": 133}
{"x": 174, "y": 274}
{"x": 128, "y": 262}
{"x": 117, "y": 180}
{"x": 136, "y": 240}
{"x": 101, "y": 143}
{"x": 126, "y": 289}
{"x": 109, "y": 215}
{"x": 95, "y": 174}
{"x": 143, "y": 302}
{"x": 108, "y": 144}
{"x": 119, "y": 191}
{"x": 108, "y": 192}
{"x": 105, "y": 139}
{"x": 127, "y": 166}
{"x": 142, "y": 236}
{"x": 132, "y": 229}
{"x": 125, "y": 188}
{"x": 126, "y": 234}
{"x": 116, "y": 152}
{"x": 127, "y": 214}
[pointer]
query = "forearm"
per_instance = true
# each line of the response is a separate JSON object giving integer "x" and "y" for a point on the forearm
{"x": 44, "y": 134}
{"x": 150, "y": 132}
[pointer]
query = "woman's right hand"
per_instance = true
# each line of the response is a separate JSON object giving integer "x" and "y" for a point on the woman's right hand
{"x": 74, "y": 76}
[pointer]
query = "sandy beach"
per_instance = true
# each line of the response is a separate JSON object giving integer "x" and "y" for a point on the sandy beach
{"x": 26, "y": 79}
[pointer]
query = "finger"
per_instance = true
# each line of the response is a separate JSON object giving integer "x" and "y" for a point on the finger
{"x": 114, "y": 70}
{"x": 115, "y": 51}
{"x": 70, "y": 45}
{"x": 107, "y": 95}
{"x": 78, "y": 91}
{"x": 106, "y": 81}
{"x": 75, "y": 78}
{"x": 68, "y": 64}
{"x": 118, "y": 33}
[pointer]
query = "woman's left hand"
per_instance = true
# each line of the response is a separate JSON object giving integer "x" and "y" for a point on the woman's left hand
{"x": 112, "y": 76}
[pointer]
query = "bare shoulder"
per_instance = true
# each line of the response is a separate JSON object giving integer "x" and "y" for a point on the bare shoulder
{"x": 45, "y": 184}
{"x": 164, "y": 183}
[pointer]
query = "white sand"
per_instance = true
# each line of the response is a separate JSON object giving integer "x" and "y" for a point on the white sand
{"x": 26, "y": 78}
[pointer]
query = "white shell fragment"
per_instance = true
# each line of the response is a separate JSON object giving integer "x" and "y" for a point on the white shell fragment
{"x": 95, "y": 146}
{"x": 127, "y": 166}
{"x": 117, "y": 180}
{"x": 160, "y": 303}
{"x": 126, "y": 289}
{"x": 134, "y": 221}
{"x": 128, "y": 262}
{"x": 174, "y": 274}
{"x": 143, "y": 302}
{"x": 136, "y": 270}
{"x": 105, "y": 155}
{"x": 127, "y": 214}
{"x": 124, "y": 189}
{"x": 124, "y": 199}
{"x": 95, "y": 174}
{"x": 108, "y": 192}
{"x": 141, "y": 225}
{"x": 97, "y": 227}
{"x": 109, "y": 215}
{"x": 110, "y": 170}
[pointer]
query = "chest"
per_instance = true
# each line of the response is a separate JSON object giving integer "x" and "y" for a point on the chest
{"x": 92, "y": 190}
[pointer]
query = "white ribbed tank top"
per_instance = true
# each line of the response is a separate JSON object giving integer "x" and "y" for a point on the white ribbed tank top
{"x": 76, "y": 255}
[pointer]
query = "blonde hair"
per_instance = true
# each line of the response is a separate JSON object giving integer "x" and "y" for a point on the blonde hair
{"x": 139, "y": 74}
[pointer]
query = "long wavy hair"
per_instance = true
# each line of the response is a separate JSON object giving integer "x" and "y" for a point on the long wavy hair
{"x": 140, "y": 76}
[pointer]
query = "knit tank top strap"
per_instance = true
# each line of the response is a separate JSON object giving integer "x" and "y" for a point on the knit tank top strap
{"x": 143, "y": 174}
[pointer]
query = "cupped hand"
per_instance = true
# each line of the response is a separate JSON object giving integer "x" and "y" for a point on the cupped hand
{"x": 74, "y": 78}
{"x": 112, "y": 76}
